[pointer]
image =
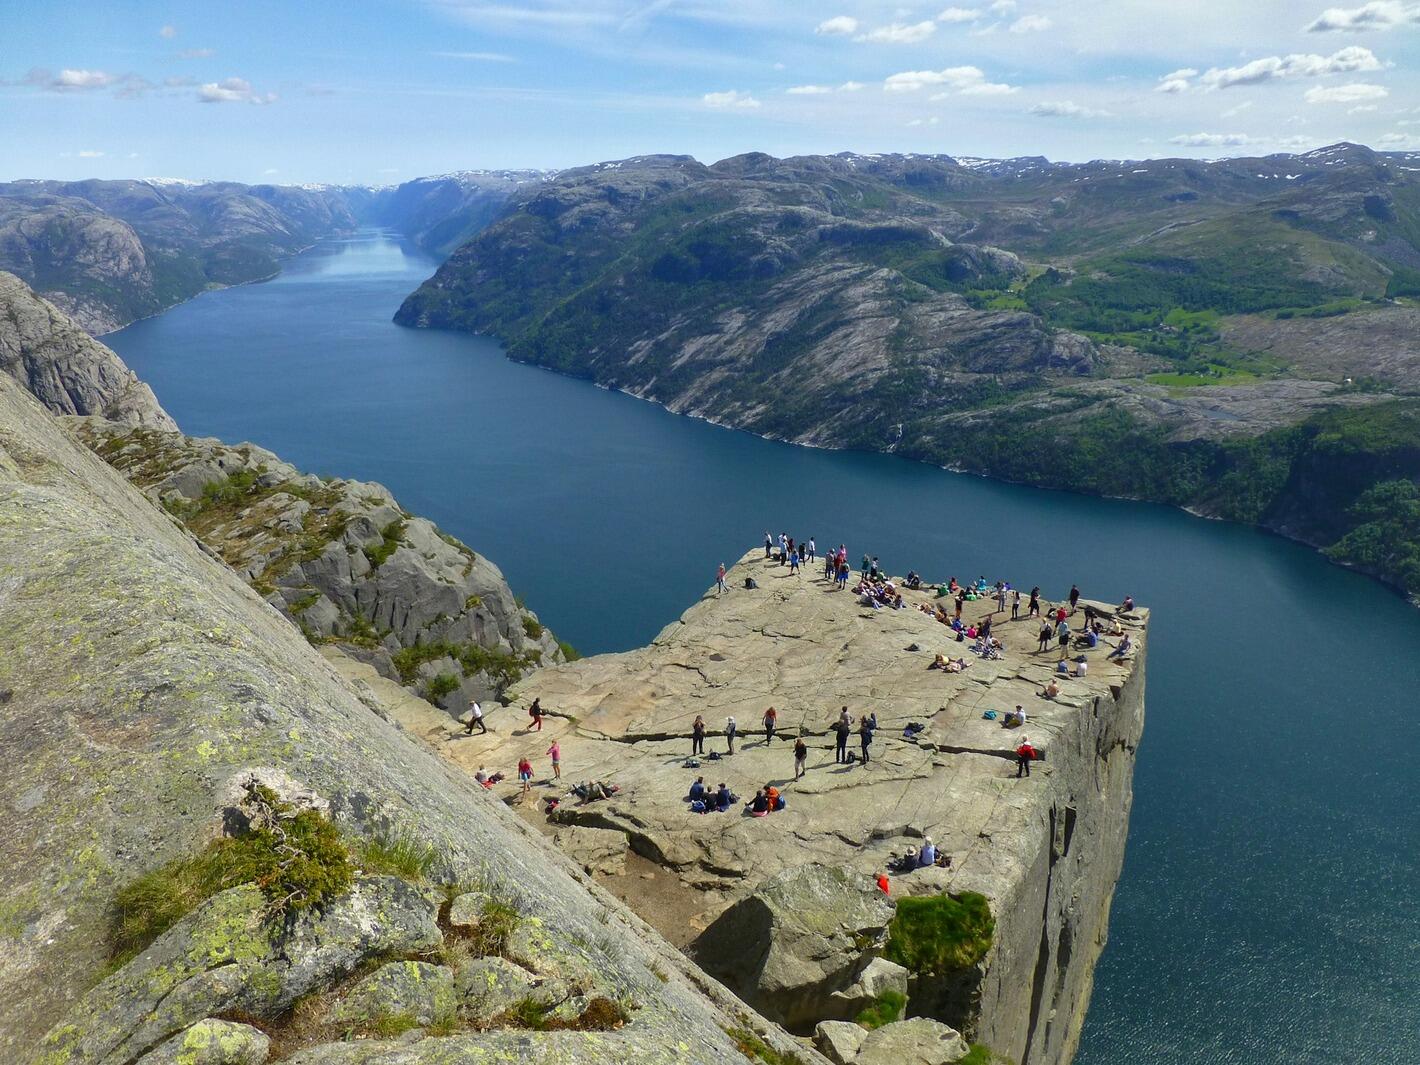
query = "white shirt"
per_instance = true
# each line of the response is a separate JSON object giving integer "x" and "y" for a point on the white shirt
{"x": 477, "y": 711}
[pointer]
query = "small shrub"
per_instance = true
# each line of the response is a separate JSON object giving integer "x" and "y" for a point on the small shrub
{"x": 391, "y": 1025}
{"x": 398, "y": 854}
{"x": 885, "y": 1009}
{"x": 442, "y": 685}
{"x": 981, "y": 1054}
{"x": 532, "y": 627}
{"x": 940, "y": 933}
{"x": 473, "y": 602}
{"x": 570, "y": 653}
{"x": 756, "y": 1049}
{"x": 390, "y": 537}
{"x": 497, "y": 922}
{"x": 297, "y": 859}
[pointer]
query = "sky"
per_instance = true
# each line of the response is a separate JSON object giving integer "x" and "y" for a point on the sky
{"x": 381, "y": 91}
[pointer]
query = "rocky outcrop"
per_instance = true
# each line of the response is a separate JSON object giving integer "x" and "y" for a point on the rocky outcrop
{"x": 142, "y": 683}
{"x": 1044, "y": 852}
{"x": 67, "y": 370}
{"x": 341, "y": 560}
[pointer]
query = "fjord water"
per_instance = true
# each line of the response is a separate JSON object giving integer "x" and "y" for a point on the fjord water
{"x": 1269, "y": 912}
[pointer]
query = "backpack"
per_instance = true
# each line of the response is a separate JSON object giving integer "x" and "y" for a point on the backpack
{"x": 697, "y": 807}
{"x": 751, "y": 583}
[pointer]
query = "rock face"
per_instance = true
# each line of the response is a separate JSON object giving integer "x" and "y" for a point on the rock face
{"x": 140, "y": 679}
{"x": 1044, "y": 851}
{"x": 342, "y": 560}
{"x": 441, "y": 212}
{"x": 804, "y": 935}
{"x": 67, "y": 370}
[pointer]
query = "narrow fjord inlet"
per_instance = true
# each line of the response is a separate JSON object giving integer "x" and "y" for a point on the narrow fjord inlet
{"x": 1270, "y": 857}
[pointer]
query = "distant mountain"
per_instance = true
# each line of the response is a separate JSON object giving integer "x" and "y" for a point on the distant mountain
{"x": 110, "y": 252}
{"x": 1201, "y": 333}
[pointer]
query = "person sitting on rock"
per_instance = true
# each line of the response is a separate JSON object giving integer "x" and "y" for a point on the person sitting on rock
{"x": 771, "y": 795}
{"x": 927, "y": 856}
{"x": 697, "y": 790}
{"x": 1063, "y": 667}
{"x": 724, "y": 798}
{"x": 1050, "y": 691}
{"x": 1127, "y": 607}
{"x": 759, "y": 805}
{"x": 1124, "y": 648}
{"x": 1081, "y": 666}
{"x": 908, "y": 860}
{"x": 1014, "y": 718}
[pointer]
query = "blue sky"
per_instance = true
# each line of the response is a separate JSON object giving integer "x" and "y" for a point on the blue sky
{"x": 377, "y": 92}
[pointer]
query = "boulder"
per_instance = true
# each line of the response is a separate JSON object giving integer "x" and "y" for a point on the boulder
{"x": 467, "y": 909}
{"x": 802, "y": 936}
{"x": 597, "y": 850}
{"x": 839, "y": 1041}
{"x": 212, "y": 1042}
{"x": 920, "y": 1041}
{"x": 489, "y": 987}
{"x": 401, "y": 988}
{"x": 878, "y": 977}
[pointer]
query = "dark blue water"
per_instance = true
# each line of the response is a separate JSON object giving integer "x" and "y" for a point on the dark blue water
{"x": 1268, "y": 913}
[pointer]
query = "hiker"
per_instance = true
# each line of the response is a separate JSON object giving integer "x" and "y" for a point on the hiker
{"x": 1025, "y": 754}
{"x": 724, "y": 798}
{"x": 794, "y": 563}
{"x": 865, "y": 738}
{"x": 927, "y": 856}
{"x": 801, "y": 757}
{"x": 1015, "y": 604}
{"x": 768, "y": 544}
{"x": 720, "y": 580}
{"x": 525, "y": 775}
{"x": 771, "y": 718}
{"x": 880, "y": 878}
{"x": 1074, "y": 596}
{"x": 730, "y": 730}
{"x": 475, "y": 718}
{"x": 1033, "y": 610}
{"x": 1047, "y": 634}
{"x": 1125, "y": 646}
{"x": 697, "y": 790}
{"x": 866, "y": 560}
{"x": 842, "y": 728}
{"x": 535, "y": 712}
{"x": 697, "y": 736}
{"x": 555, "y": 753}
{"x": 1082, "y": 667}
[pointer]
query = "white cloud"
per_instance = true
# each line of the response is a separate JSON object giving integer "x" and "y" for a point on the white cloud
{"x": 1381, "y": 15}
{"x": 850, "y": 86}
{"x": 839, "y": 26}
{"x": 899, "y": 33}
{"x": 90, "y": 153}
{"x": 1211, "y": 140}
{"x": 82, "y": 79}
{"x": 1346, "y": 94}
{"x": 1362, "y": 109}
{"x": 1065, "y": 109}
{"x": 1000, "y": 7}
{"x": 959, "y": 14}
{"x": 1403, "y": 141}
{"x": 269, "y": 171}
{"x": 233, "y": 91}
{"x": 809, "y": 90}
{"x": 924, "y": 121}
{"x": 1239, "y": 109}
{"x": 968, "y": 81}
{"x": 1030, "y": 24}
{"x": 1176, "y": 81}
{"x": 1299, "y": 65}
{"x": 475, "y": 57}
{"x": 168, "y": 32}
{"x": 733, "y": 99}
{"x": 196, "y": 53}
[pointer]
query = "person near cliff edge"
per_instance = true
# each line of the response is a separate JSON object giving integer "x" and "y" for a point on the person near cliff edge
{"x": 475, "y": 718}
{"x": 730, "y": 729}
{"x": 1025, "y": 754}
{"x": 768, "y": 544}
{"x": 535, "y": 712}
{"x": 1074, "y": 597}
{"x": 720, "y": 580}
{"x": 801, "y": 757}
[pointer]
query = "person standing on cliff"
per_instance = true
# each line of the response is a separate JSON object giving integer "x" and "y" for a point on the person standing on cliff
{"x": 771, "y": 718}
{"x": 1025, "y": 754}
{"x": 801, "y": 757}
{"x": 697, "y": 736}
{"x": 768, "y": 544}
{"x": 794, "y": 563}
{"x": 865, "y": 738}
{"x": 730, "y": 729}
{"x": 1047, "y": 634}
{"x": 1033, "y": 611}
{"x": 1074, "y": 596}
{"x": 535, "y": 712}
{"x": 843, "y": 727}
{"x": 555, "y": 753}
{"x": 475, "y": 718}
{"x": 1000, "y": 597}
{"x": 1015, "y": 604}
{"x": 813, "y": 549}
{"x": 720, "y": 581}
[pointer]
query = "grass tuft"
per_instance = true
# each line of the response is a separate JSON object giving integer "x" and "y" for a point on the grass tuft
{"x": 397, "y": 854}
{"x": 940, "y": 933}
{"x": 885, "y": 1009}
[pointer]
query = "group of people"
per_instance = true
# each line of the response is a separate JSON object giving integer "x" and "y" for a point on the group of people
{"x": 702, "y": 800}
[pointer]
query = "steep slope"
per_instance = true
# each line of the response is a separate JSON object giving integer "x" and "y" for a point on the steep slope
{"x": 1063, "y": 325}
{"x": 143, "y": 683}
{"x": 68, "y": 371}
{"x": 439, "y": 213}
{"x": 108, "y": 252}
